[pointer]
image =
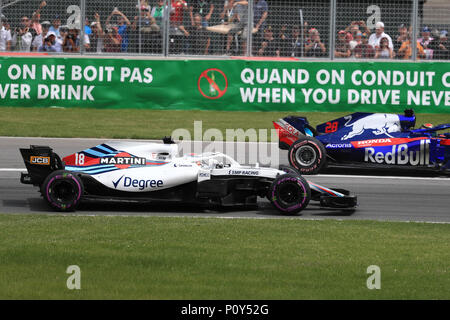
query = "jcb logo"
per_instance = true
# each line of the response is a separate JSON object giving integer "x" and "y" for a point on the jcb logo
{"x": 40, "y": 160}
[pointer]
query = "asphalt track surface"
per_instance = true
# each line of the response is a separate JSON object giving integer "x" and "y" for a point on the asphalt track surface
{"x": 380, "y": 196}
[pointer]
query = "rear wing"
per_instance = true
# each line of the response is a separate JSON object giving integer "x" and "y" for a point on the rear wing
{"x": 292, "y": 128}
{"x": 40, "y": 161}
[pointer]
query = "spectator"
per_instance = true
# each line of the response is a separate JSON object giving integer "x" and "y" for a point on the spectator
{"x": 239, "y": 20}
{"x": 269, "y": 46}
{"x": 426, "y": 42}
{"x": 36, "y": 17}
{"x": 177, "y": 11}
{"x": 23, "y": 36}
{"x": 227, "y": 12}
{"x": 355, "y": 27}
{"x": 50, "y": 43}
{"x": 348, "y": 37}
{"x": 314, "y": 47}
{"x": 63, "y": 32}
{"x": 405, "y": 51}
{"x": 147, "y": 30}
{"x": 260, "y": 13}
{"x": 402, "y": 37}
{"x": 177, "y": 38}
{"x": 39, "y": 39}
{"x": 72, "y": 41}
{"x": 357, "y": 39}
{"x": 5, "y": 35}
{"x": 143, "y": 5}
{"x": 158, "y": 13}
{"x": 204, "y": 8}
{"x": 86, "y": 41}
{"x": 374, "y": 39}
{"x": 56, "y": 23}
{"x": 348, "y": 32}
{"x": 295, "y": 42}
{"x": 224, "y": 18}
{"x": 197, "y": 37}
{"x": 87, "y": 28}
{"x": 364, "y": 50}
{"x": 284, "y": 41}
{"x": 123, "y": 24}
{"x": 96, "y": 39}
{"x": 342, "y": 48}
{"x": 111, "y": 40}
{"x": 138, "y": 43}
{"x": 145, "y": 23}
{"x": 442, "y": 51}
{"x": 384, "y": 51}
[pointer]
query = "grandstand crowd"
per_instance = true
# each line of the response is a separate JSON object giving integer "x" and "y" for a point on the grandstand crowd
{"x": 208, "y": 27}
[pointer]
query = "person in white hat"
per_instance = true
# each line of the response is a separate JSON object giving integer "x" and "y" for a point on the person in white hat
{"x": 49, "y": 43}
{"x": 374, "y": 39}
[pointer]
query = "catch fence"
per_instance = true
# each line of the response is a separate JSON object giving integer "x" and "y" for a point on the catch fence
{"x": 283, "y": 29}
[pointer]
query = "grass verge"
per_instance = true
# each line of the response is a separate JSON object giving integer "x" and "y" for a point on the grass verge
{"x": 146, "y": 124}
{"x": 195, "y": 258}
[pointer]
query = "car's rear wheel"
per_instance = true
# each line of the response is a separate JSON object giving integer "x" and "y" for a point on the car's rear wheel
{"x": 290, "y": 193}
{"x": 307, "y": 155}
{"x": 62, "y": 190}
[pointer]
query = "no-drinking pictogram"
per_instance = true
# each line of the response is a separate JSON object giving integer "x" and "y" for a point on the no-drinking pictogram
{"x": 212, "y": 83}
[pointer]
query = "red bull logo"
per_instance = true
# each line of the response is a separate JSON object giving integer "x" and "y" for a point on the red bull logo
{"x": 400, "y": 154}
{"x": 380, "y": 124}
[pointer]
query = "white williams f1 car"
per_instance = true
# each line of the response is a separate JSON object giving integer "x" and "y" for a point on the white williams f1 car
{"x": 155, "y": 172}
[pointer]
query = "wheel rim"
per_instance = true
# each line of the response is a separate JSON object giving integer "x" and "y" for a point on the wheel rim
{"x": 305, "y": 156}
{"x": 63, "y": 192}
{"x": 290, "y": 194}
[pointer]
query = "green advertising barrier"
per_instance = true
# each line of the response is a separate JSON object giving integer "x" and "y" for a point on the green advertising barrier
{"x": 232, "y": 85}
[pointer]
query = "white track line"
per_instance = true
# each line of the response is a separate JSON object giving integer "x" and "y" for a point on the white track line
{"x": 237, "y": 218}
{"x": 139, "y": 140}
{"x": 57, "y": 138}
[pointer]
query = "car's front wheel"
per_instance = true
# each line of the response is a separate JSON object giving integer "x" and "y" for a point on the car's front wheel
{"x": 289, "y": 193}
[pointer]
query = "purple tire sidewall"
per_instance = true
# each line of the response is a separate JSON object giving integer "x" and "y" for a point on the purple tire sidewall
{"x": 47, "y": 187}
{"x": 292, "y": 208}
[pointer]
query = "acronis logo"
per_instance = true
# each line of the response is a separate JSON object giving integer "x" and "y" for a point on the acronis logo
{"x": 338, "y": 145}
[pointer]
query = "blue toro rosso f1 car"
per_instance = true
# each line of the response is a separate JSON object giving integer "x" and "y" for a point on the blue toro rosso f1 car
{"x": 378, "y": 140}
